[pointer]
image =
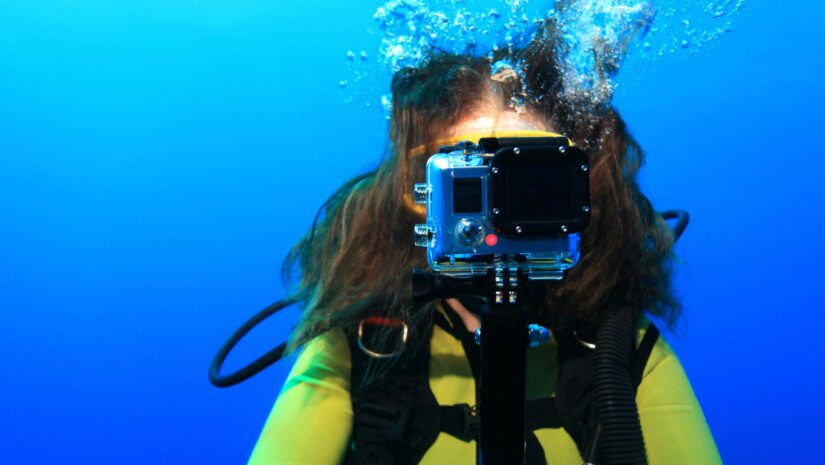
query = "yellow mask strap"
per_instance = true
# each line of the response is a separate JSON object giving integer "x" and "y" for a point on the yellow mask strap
{"x": 475, "y": 136}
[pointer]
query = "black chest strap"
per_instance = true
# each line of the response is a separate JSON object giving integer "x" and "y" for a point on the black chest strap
{"x": 462, "y": 422}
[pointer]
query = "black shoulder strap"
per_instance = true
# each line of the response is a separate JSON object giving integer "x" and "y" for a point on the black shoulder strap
{"x": 395, "y": 416}
{"x": 642, "y": 354}
{"x": 460, "y": 421}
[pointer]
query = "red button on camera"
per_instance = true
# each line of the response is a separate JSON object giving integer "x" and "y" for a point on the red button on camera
{"x": 491, "y": 240}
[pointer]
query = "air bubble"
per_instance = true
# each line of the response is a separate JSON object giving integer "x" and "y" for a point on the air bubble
{"x": 598, "y": 35}
{"x": 386, "y": 104}
{"x": 502, "y": 70}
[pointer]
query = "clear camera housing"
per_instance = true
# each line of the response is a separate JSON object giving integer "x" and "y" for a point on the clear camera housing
{"x": 521, "y": 200}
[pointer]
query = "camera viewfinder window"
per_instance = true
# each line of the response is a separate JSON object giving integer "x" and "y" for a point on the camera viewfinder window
{"x": 467, "y": 195}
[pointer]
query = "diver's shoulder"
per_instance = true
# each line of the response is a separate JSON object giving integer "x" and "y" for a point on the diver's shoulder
{"x": 324, "y": 357}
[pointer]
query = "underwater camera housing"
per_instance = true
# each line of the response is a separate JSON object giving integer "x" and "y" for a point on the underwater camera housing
{"x": 520, "y": 199}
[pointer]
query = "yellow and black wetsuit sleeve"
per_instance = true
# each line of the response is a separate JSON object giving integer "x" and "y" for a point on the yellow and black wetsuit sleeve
{"x": 673, "y": 424}
{"x": 311, "y": 422}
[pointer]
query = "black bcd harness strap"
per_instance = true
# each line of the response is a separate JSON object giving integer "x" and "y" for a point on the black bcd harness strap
{"x": 395, "y": 415}
{"x": 396, "y": 418}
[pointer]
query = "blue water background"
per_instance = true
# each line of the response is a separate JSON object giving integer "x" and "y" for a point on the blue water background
{"x": 158, "y": 159}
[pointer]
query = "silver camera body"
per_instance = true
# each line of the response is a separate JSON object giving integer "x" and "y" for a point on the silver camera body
{"x": 520, "y": 200}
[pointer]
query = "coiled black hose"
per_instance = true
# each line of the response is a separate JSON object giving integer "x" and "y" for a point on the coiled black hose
{"x": 261, "y": 363}
{"x": 620, "y": 433}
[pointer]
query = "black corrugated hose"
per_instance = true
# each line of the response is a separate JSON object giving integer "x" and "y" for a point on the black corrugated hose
{"x": 620, "y": 435}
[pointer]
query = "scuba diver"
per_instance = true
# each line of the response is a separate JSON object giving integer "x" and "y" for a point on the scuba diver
{"x": 406, "y": 393}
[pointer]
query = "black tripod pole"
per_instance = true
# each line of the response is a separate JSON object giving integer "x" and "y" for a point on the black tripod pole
{"x": 503, "y": 370}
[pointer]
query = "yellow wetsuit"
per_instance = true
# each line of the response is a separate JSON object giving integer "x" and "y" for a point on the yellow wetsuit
{"x": 311, "y": 422}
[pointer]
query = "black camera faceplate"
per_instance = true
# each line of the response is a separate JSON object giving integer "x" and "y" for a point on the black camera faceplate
{"x": 540, "y": 190}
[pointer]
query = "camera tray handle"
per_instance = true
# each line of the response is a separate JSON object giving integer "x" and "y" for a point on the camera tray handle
{"x": 502, "y": 382}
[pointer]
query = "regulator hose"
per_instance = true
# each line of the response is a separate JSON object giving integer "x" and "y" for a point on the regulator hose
{"x": 620, "y": 431}
{"x": 682, "y": 219}
{"x": 260, "y": 363}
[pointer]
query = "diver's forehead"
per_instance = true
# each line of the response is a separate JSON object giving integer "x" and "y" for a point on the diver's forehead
{"x": 507, "y": 120}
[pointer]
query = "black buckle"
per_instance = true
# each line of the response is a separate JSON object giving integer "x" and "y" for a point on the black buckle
{"x": 472, "y": 422}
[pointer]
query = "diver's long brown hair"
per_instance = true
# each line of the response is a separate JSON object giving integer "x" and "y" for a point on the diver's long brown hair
{"x": 357, "y": 257}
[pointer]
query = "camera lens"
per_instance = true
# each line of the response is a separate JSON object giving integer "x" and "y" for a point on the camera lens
{"x": 538, "y": 191}
{"x": 469, "y": 231}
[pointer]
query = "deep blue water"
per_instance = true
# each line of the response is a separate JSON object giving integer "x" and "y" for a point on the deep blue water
{"x": 158, "y": 159}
